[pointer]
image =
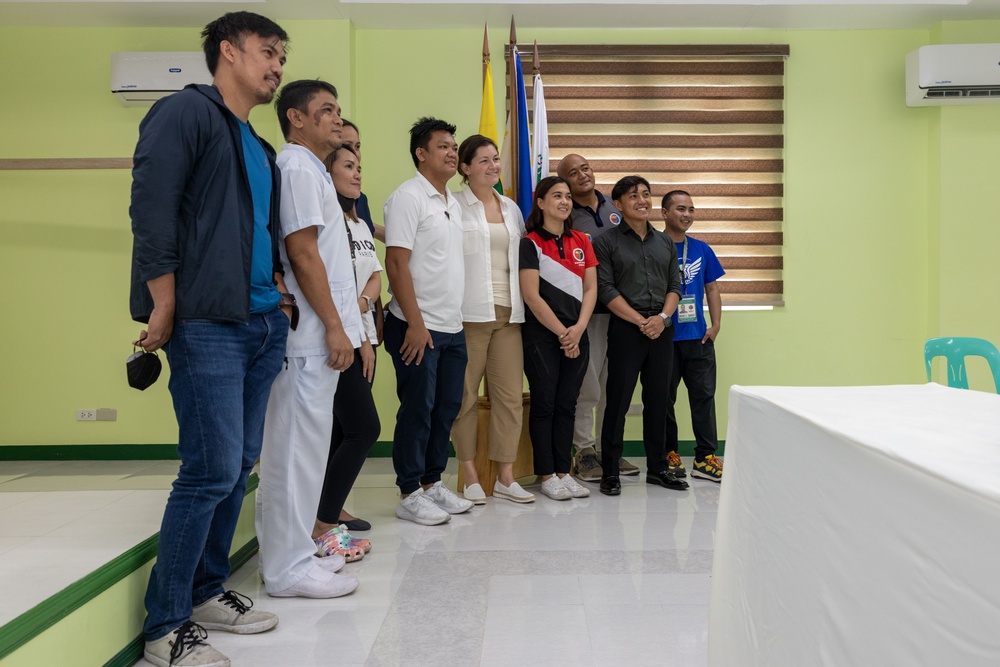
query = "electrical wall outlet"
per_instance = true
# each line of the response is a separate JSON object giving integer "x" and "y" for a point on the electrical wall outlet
{"x": 107, "y": 414}
{"x": 86, "y": 415}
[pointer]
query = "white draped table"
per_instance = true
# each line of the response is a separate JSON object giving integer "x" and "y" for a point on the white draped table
{"x": 858, "y": 526}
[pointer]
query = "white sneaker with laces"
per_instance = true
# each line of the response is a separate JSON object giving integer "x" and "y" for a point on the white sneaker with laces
{"x": 514, "y": 493}
{"x": 418, "y": 508}
{"x": 184, "y": 647}
{"x": 554, "y": 489}
{"x": 319, "y": 583}
{"x": 574, "y": 488}
{"x": 443, "y": 497}
{"x": 233, "y": 612}
{"x": 475, "y": 493}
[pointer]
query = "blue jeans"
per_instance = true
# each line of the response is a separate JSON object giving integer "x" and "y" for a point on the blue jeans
{"x": 220, "y": 379}
{"x": 430, "y": 396}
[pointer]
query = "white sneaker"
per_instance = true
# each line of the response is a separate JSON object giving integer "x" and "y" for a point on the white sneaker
{"x": 514, "y": 493}
{"x": 319, "y": 583}
{"x": 443, "y": 497}
{"x": 554, "y": 489}
{"x": 184, "y": 647}
{"x": 232, "y": 612}
{"x": 475, "y": 493}
{"x": 574, "y": 488}
{"x": 418, "y": 508}
{"x": 331, "y": 563}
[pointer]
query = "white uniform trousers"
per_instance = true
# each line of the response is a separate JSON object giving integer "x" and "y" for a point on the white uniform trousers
{"x": 293, "y": 461}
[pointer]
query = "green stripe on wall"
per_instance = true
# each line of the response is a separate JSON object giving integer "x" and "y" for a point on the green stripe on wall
{"x": 47, "y": 613}
{"x": 127, "y": 452}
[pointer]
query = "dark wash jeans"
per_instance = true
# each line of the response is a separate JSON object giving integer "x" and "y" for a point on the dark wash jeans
{"x": 220, "y": 380}
{"x": 430, "y": 396}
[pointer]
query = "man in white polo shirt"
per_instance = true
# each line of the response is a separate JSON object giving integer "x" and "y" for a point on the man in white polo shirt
{"x": 423, "y": 330}
{"x": 299, "y": 416}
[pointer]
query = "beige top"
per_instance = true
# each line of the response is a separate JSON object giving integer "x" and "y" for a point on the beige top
{"x": 499, "y": 264}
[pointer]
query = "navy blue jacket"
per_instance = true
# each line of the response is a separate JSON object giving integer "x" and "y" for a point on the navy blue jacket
{"x": 192, "y": 210}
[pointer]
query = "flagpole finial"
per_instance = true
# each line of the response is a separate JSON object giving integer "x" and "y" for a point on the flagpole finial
{"x": 513, "y": 32}
{"x": 486, "y": 42}
{"x": 536, "y": 64}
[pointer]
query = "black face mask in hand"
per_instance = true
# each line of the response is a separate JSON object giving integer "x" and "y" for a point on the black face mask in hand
{"x": 143, "y": 369}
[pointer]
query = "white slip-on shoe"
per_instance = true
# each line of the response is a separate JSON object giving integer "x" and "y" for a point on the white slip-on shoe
{"x": 554, "y": 489}
{"x": 184, "y": 647}
{"x": 318, "y": 583}
{"x": 418, "y": 508}
{"x": 443, "y": 497}
{"x": 331, "y": 563}
{"x": 232, "y": 612}
{"x": 574, "y": 487}
{"x": 513, "y": 493}
{"x": 475, "y": 493}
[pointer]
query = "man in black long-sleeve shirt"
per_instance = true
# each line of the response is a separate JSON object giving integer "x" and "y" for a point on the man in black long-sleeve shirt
{"x": 638, "y": 280}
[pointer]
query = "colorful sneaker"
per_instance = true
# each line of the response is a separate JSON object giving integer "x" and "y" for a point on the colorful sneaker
{"x": 337, "y": 541}
{"x": 184, "y": 647}
{"x": 588, "y": 466}
{"x": 573, "y": 487}
{"x": 626, "y": 468}
{"x": 709, "y": 468}
{"x": 442, "y": 496}
{"x": 554, "y": 489}
{"x": 418, "y": 508}
{"x": 233, "y": 612}
{"x": 674, "y": 465}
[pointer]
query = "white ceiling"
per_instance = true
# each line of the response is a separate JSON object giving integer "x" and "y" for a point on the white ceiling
{"x": 409, "y": 14}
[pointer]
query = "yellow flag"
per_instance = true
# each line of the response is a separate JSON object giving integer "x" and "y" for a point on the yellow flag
{"x": 488, "y": 113}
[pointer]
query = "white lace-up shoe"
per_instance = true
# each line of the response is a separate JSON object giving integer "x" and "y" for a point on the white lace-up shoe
{"x": 233, "y": 612}
{"x": 554, "y": 489}
{"x": 514, "y": 493}
{"x": 184, "y": 647}
{"x": 574, "y": 488}
{"x": 319, "y": 583}
{"x": 443, "y": 497}
{"x": 418, "y": 508}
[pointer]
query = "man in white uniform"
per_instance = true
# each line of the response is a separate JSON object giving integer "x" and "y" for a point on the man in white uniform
{"x": 299, "y": 415}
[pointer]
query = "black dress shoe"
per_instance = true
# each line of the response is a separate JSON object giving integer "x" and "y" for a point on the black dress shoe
{"x": 357, "y": 525}
{"x": 611, "y": 485}
{"x": 666, "y": 480}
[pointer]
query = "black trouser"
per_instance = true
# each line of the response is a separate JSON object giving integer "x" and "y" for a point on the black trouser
{"x": 554, "y": 382}
{"x": 695, "y": 364}
{"x": 355, "y": 430}
{"x": 633, "y": 356}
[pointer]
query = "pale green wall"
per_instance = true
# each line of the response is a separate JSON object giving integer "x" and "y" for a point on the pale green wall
{"x": 872, "y": 187}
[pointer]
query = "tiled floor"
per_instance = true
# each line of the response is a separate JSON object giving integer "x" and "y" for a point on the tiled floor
{"x": 597, "y": 581}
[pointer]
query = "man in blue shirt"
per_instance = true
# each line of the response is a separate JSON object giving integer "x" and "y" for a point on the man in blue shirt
{"x": 694, "y": 341}
{"x": 207, "y": 282}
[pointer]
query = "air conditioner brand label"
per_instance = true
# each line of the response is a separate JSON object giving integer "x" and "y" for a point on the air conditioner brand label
{"x": 174, "y": 70}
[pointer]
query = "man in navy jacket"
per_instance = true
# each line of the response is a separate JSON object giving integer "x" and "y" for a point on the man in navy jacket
{"x": 207, "y": 282}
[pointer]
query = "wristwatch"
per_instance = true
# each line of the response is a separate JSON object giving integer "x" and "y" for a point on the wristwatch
{"x": 288, "y": 300}
{"x": 666, "y": 318}
{"x": 371, "y": 304}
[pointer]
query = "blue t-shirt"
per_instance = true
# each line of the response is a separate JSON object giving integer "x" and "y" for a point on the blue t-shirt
{"x": 264, "y": 296}
{"x": 702, "y": 267}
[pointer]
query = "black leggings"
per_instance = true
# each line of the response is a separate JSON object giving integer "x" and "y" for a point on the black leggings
{"x": 355, "y": 429}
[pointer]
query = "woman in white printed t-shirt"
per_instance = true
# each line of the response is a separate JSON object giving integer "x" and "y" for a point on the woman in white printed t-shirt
{"x": 356, "y": 424}
{"x": 492, "y": 313}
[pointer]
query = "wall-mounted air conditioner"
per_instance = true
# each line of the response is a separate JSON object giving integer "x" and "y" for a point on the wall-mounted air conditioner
{"x": 139, "y": 79}
{"x": 953, "y": 74}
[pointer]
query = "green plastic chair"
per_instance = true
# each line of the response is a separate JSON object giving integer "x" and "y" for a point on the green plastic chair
{"x": 955, "y": 350}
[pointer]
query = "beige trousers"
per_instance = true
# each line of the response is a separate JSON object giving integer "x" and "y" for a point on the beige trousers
{"x": 494, "y": 348}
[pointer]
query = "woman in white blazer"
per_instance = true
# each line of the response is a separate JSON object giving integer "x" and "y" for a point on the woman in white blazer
{"x": 492, "y": 311}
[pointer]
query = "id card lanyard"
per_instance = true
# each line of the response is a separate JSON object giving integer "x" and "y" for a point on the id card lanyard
{"x": 686, "y": 309}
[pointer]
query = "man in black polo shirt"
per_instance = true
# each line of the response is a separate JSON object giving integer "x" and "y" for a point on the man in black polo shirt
{"x": 593, "y": 215}
{"x": 639, "y": 281}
